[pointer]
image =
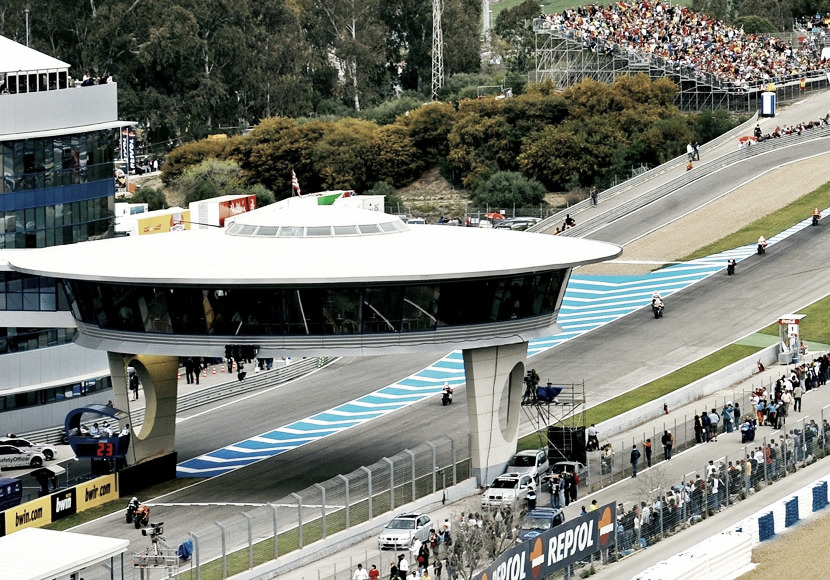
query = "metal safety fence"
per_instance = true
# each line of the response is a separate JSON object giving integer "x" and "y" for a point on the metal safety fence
{"x": 250, "y": 538}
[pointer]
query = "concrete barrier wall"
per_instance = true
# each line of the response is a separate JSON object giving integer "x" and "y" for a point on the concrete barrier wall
{"x": 727, "y": 555}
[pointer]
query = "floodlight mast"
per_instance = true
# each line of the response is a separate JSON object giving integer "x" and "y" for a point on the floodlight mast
{"x": 437, "y": 49}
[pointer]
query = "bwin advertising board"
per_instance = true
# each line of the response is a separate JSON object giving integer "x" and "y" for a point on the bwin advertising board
{"x": 556, "y": 548}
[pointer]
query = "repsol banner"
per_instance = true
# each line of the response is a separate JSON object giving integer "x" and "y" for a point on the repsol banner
{"x": 63, "y": 504}
{"x": 32, "y": 514}
{"x": 96, "y": 492}
{"x": 555, "y": 549}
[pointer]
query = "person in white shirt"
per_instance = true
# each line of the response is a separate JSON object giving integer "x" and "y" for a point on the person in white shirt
{"x": 360, "y": 573}
{"x": 415, "y": 548}
{"x": 403, "y": 565}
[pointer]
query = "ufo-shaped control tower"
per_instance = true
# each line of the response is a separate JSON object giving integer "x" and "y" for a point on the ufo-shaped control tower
{"x": 318, "y": 280}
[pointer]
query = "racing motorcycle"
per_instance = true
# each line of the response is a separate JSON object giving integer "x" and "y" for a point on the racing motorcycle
{"x": 141, "y": 516}
{"x": 762, "y": 246}
{"x": 657, "y": 307}
{"x": 446, "y": 396}
{"x": 131, "y": 507}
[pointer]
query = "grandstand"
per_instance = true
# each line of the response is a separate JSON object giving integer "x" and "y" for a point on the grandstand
{"x": 713, "y": 65}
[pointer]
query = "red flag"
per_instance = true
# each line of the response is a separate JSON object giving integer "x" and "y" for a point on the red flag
{"x": 295, "y": 184}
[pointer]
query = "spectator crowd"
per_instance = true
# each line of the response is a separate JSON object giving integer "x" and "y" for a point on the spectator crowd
{"x": 680, "y": 38}
{"x": 723, "y": 482}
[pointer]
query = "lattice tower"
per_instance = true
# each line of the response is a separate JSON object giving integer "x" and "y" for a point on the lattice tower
{"x": 437, "y": 49}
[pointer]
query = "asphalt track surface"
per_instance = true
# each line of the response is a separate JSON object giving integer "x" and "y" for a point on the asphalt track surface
{"x": 611, "y": 360}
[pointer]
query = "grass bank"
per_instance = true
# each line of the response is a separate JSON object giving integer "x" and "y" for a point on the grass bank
{"x": 769, "y": 225}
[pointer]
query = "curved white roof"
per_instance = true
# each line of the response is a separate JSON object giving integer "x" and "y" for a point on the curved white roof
{"x": 214, "y": 257}
{"x": 37, "y": 554}
{"x": 19, "y": 57}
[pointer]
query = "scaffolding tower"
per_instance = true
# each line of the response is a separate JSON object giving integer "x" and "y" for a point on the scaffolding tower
{"x": 565, "y": 60}
{"x": 558, "y": 406}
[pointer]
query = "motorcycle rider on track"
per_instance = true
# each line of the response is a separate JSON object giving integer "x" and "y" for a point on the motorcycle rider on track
{"x": 762, "y": 245}
{"x": 446, "y": 394}
{"x": 656, "y": 303}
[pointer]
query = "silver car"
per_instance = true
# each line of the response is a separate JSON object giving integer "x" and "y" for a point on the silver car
{"x": 11, "y": 456}
{"x": 398, "y": 533}
{"x": 49, "y": 451}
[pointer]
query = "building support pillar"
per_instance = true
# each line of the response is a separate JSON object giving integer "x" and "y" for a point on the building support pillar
{"x": 159, "y": 380}
{"x": 491, "y": 372}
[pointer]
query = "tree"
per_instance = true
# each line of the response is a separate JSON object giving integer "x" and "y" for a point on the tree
{"x": 342, "y": 157}
{"x": 393, "y": 158}
{"x": 354, "y": 39}
{"x": 515, "y": 27}
{"x": 191, "y": 154}
{"x": 210, "y": 178}
{"x": 481, "y": 539}
{"x": 571, "y": 154}
{"x": 274, "y": 149}
{"x": 386, "y": 112}
{"x": 479, "y": 143}
{"x": 461, "y": 25}
{"x": 263, "y": 195}
{"x": 409, "y": 43}
{"x": 428, "y": 127}
{"x": 154, "y": 198}
{"x": 710, "y": 124}
{"x": 755, "y": 24}
{"x": 392, "y": 201}
{"x": 509, "y": 189}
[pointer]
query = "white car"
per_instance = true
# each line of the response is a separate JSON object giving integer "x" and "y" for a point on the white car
{"x": 49, "y": 451}
{"x": 531, "y": 461}
{"x": 11, "y": 456}
{"x": 507, "y": 490}
{"x": 399, "y": 532}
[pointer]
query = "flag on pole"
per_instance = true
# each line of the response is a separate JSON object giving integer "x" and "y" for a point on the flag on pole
{"x": 295, "y": 184}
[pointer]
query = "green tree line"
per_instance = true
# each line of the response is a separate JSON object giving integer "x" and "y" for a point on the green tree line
{"x": 579, "y": 137}
{"x": 190, "y": 68}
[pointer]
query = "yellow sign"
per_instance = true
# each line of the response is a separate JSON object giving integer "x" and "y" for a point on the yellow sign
{"x": 97, "y": 492}
{"x": 170, "y": 222}
{"x": 32, "y": 514}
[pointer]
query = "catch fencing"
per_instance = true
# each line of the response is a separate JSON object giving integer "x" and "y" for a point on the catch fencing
{"x": 241, "y": 542}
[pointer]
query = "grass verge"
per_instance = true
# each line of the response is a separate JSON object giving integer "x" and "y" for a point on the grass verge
{"x": 655, "y": 389}
{"x": 777, "y": 221}
{"x": 814, "y": 328}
